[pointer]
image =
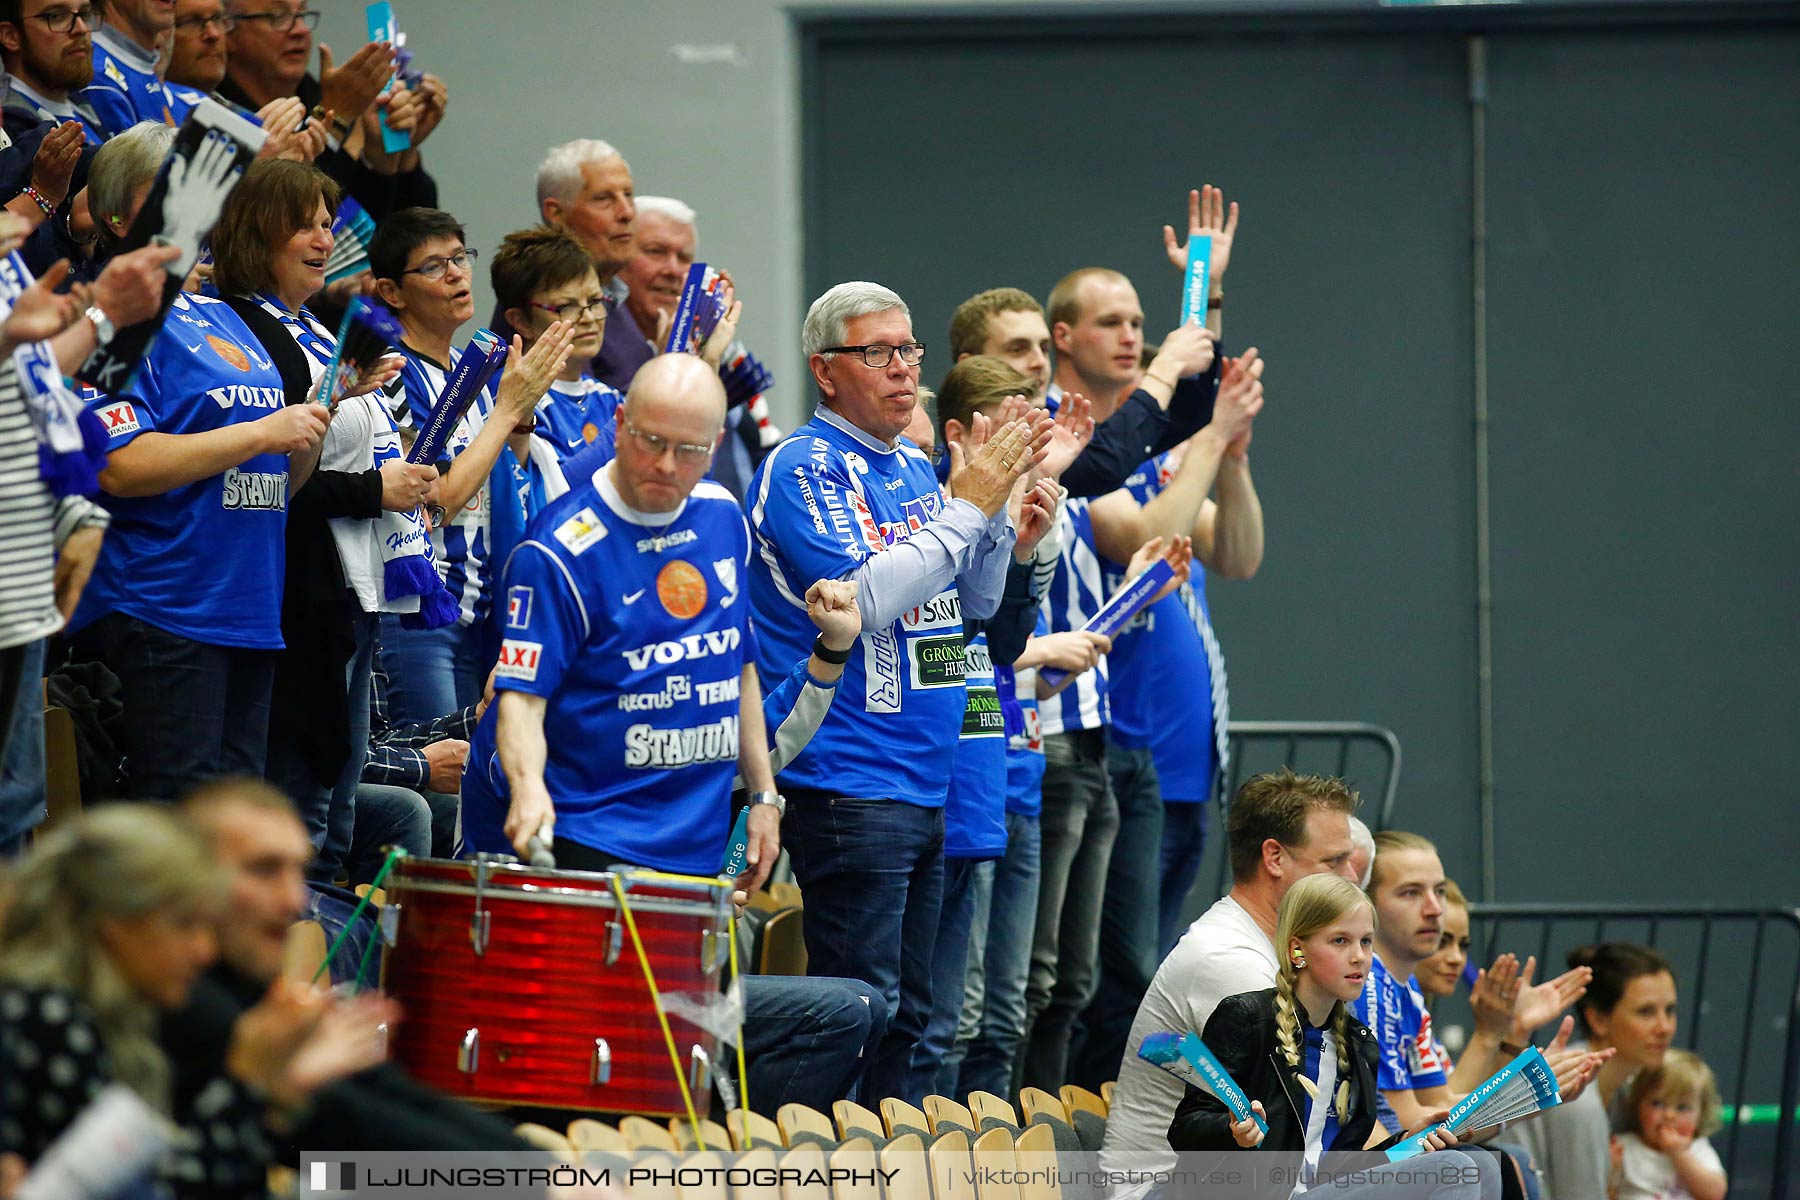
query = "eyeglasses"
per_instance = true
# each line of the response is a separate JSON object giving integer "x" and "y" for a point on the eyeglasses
{"x": 62, "y": 20}
{"x": 223, "y": 22}
{"x": 283, "y": 20}
{"x": 685, "y": 452}
{"x": 434, "y": 268}
{"x": 574, "y": 310}
{"x": 881, "y": 354}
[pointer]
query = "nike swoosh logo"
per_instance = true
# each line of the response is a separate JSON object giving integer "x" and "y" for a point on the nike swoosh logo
{"x": 633, "y": 597}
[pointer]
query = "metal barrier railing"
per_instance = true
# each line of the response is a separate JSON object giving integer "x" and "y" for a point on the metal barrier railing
{"x": 1313, "y": 747}
{"x": 1715, "y": 951}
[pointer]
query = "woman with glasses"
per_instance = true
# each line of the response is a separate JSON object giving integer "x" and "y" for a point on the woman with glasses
{"x": 542, "y": 276}
{"x": 494, "y": 471}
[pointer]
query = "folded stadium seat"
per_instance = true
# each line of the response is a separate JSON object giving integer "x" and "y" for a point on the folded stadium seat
{"x": 901, "y": 1117}
{"x": 853, "y": 1120}
{"x": 946, "y": 1114}
{"x": 787, "y": 895}
{"x": 908, "y": 1177}
{"x": 801, "y": 1126}
{"x": 1036, "y": 1152}
{"x": 781, "y": 946}
{"x": 641, "y": 1133}
{"x": 990, "y": 1112}
{"x": 761, "y": 1159}
{"x": 654, "y": 1188}
{"x": 1072, "y": 1154}
{"x": 856, "y": 1157}
{"x": 997, "y": 1166}
{"x": 1090, "y": 1128}
{"x": 711, "y": 1132}
{"x": 710, "y": 1185}
{"x": 809, "y": 1161}
{"x": 1033, "y": 1101}
{"x": 951, "y": 1168}
{"x": 1075, "y": 1099}
{"x": 545, "y": 1138}
{"x": 586, "y": 1134}
{"x": 750, "y": 1129}
{"x": 1106, "y": 1093}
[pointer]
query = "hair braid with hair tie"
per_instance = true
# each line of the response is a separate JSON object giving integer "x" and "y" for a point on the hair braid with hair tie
{"x": 1340, "y": 1022}
{"x": 1287, "y": 1018}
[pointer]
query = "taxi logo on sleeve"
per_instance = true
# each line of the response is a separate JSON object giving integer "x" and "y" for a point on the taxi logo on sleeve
{"x": 682, "y": 589}
{"x": 230, "y": 353}
{"x": 119, "y": 418}
{"x": 580, "y": 531}
{"x": 518, "y": 607}
{"x": 519, "y": 660}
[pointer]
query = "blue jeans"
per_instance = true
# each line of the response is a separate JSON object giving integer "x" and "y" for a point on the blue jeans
{"x": 330, "y": 813}
{"x": 1128, "y": 920}
{"x": 431, "y": 672}
{"x": 1002, "y": 947}
{"x": 193, "y": 711}
{"x": 22, "y": 789}
{"x": 807, "y": 1040}
{"x": 873, "y": 874}
{"x": 386, "y": 816}
{"x": 1079, "y": 822}
{"x": 949, "y": 966}
{"x": 1183, "y": 846}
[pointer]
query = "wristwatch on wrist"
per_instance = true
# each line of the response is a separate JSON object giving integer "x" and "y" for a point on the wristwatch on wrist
{"x": 103, "y": 326}
{"x": 774, "y": 800}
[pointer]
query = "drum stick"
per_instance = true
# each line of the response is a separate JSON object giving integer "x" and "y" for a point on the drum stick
{"x": 537, "y": 848}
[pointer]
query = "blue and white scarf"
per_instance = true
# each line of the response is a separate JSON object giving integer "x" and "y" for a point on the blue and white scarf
{"x": 71, "y": 440}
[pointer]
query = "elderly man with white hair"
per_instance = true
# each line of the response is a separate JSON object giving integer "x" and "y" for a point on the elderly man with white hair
{"x": 585, "y": 187}
{"x": 668, "y": 239}
{"x": 846, "y": 497}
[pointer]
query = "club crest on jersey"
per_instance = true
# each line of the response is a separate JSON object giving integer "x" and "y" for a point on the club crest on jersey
{"x": 117, "y": 76}
{"x": 119, "y": 418}
{"x": 229, "y": 352}
{"x": 726, "y": 570}
{"x": 519, "y": 660}
{"x": 518, "y": 607}
{"x": 580, "y": 531}
{"x": 682, "y": 589}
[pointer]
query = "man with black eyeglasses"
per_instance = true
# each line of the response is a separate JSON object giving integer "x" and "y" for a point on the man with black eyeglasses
{"x": 270, "y": 43}
{"x": 48, "y": 48}
{"x": 846, "y": 497}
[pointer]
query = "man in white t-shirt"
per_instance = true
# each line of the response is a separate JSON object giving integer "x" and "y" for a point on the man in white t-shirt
{"x": 1283, "y": 828}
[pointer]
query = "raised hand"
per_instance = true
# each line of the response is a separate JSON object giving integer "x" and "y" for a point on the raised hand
{"x": 831, "y": 605}
{"x": 1070, "y": 434}
{"x": 1036, "y": 514}
{"x": 1179, "y": 555}
{"x": 349, "y": 90}
{"x": 1538, "y": 1006}
{"x": 54, "y": 163}
{"x": 529, "y": 372}
{"x": 41, "y": 311}
{"x": 1240, "y": 397}
{"x": 725, "y": 332}
{"x": 130, "y": 287}
{"x": 291, "y": 135}
{"x": 350, "y": 1036}
{"x": 1207, "y": 215}
{"x": 985, "y": 477}
{"x": 196, "y": 189}
{"x": 1494, "y": 996}
{"x": 1188, "y": 350}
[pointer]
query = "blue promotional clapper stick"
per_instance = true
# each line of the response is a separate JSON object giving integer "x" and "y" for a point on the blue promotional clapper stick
{"x": 1186, "y": 1057}
{"x": 1116, "y": 613}
{"x": 739, "y": 846}
{"x": 382, "y": 29}
{"x": 681, "y": 326}
{"x": 1523, "y": 1086}
{"x": 1195, "y": 283}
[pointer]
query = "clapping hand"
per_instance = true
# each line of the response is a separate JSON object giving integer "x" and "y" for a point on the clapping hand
{"x": 984, "y": 463}
{"x": 529, "y": 372}
{"x": 1207, "y": 215}
{"x": 1179, "y": 556}
{"x": 1070, "y": 434}
{"x": 54, "y": 163}
{"x": 1035, "y": 514}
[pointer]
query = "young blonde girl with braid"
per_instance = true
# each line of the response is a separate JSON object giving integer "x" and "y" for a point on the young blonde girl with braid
{"x": 1308, "y": 1065}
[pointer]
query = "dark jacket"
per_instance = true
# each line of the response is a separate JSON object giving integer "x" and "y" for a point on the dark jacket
{"x": 382, "y": 1108}
{"x": 310, "y": 702}
{"x": 1241, "y": 1034}
{"x": 1140, "y": 430}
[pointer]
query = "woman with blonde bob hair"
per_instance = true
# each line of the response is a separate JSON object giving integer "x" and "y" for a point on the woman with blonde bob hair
{"x": 106, "y": 924}
{"x": 1308, "y": 1065}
